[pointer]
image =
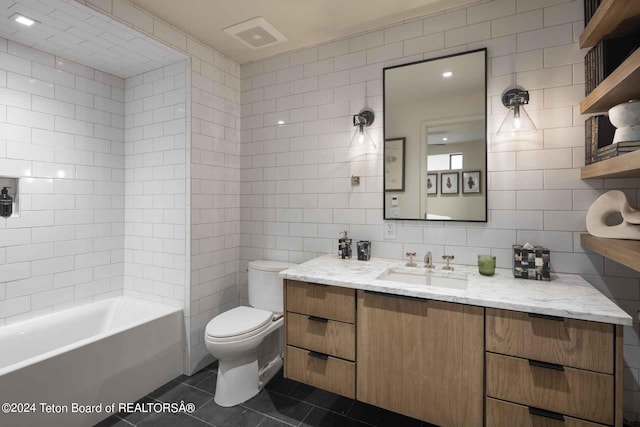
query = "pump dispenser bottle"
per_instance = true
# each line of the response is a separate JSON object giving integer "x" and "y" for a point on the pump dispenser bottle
{"x": 6, "y": 203}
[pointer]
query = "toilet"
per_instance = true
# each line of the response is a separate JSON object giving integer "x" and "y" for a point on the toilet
{"x": 235, "y": 337}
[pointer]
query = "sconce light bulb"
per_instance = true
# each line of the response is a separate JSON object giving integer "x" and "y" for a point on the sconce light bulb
{"x": 517, "y": 123}
{"x": 361, "y": 138}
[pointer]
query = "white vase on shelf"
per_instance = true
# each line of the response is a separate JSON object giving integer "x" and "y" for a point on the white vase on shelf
{"x": 612, "y": 203}
{"x": 626, "y": 118}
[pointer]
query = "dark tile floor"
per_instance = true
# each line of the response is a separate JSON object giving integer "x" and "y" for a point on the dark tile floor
{"x": 283, "y": 403}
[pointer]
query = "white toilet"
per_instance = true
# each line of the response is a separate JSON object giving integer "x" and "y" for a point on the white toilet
{"x": 235, "y": 337}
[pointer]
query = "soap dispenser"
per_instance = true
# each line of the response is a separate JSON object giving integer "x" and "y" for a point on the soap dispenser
{"x": 6, "y": 203}
{"x": 344, "y": 246}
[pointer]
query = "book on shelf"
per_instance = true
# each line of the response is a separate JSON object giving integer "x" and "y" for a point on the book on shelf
{"x": 598, "y": 134}
{"x": 602, "y": 59}
{"x": 590, "y": 7}
{"x": 614, "y": 150}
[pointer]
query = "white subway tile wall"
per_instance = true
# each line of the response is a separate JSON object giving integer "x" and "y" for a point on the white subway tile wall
{"x": 107, "y": 204}
{"x": 212, "y": 195}
{"x": 62, "y": 133}
{"x": 155, "y": 213}
{"x": 294, "y": 178}
{"x": 215, "y": 193}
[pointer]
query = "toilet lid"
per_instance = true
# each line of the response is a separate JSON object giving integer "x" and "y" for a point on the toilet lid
{"x": 238, "y": 321}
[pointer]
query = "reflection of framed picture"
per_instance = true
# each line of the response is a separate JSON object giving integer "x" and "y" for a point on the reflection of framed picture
{"x": 449, "y": 183}
{"x": 432, "y": 183}
{"x": 470, "y": 182}
{"x": 394, "y": 164}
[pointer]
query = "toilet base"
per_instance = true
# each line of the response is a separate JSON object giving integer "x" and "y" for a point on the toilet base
{"x": 239, "y": 379}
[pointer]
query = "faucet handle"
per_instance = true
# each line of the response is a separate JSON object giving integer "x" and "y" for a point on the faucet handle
{"x": 447, "y": 258}
{"x": 410, "y": 263}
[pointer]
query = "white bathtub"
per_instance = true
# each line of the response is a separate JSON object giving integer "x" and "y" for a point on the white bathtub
{"x": 111, "y": 351}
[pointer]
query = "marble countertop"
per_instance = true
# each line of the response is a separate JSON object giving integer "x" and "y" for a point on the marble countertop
{"x": 566, "y": 295}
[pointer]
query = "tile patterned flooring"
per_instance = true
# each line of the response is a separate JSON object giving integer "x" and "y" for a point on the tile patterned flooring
{"x": 282, "y": 403}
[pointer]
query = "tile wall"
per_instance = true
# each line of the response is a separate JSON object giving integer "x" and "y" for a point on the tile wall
{"x": 62, "y": 131}
{"x": 155, "y": 184}
{"x": 215, "y": 196}
{"x": 213, "y": 193}
{"x": 295, "y": 178}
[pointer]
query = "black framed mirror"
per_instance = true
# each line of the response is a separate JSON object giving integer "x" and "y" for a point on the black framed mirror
{"x": 438, "y": 109}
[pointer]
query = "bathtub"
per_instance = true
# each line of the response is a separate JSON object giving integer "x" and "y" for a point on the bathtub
{"x": 111, "y": 351}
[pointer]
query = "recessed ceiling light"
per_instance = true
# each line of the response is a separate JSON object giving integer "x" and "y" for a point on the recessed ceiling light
{"x": 445, "y": 139}
{"x": 447, "y": 74}
{"x": 280, "y": 122}
{"x": 21, "y": 19}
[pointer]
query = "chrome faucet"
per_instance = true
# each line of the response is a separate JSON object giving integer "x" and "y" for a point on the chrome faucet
{"x": 410, "y": 263}
{"x": 428, "y": 261}
{"x": 447, "y": 258}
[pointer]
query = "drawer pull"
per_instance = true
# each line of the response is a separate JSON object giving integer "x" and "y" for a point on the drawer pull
{"x": 546, "y": 365}
{"x": 318, "y": 319}
{"x": 384, "y": 294}
{"x": 547, "y": 414}
{"x": 546, "y": 317}
{"x": 317, "y": 284}
{"x": 318, "y": 355}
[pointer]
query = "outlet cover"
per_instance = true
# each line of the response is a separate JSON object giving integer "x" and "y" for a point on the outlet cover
{"x": 390, "y": 231}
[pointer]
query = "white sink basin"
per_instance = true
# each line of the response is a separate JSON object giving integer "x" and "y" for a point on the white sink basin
{"x": 418, "y": 276}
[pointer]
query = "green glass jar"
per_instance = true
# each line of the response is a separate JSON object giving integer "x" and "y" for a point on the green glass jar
{"x": 487, "y": 265}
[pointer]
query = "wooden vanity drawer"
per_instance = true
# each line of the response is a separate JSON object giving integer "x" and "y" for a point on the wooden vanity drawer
{"x": 569, "y": 342}
{"x": 329, "y": 302}
{"x": 507, "y": 414}
{"x": 321, "y": 371}
{"x": 575, "y": 392}
{"x": 322, "y": 335}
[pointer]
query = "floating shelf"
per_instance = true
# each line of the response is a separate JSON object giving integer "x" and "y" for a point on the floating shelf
{"x": 625, "y": 252}
{"x": 612, "y": 18}
{"x": 624, "y": 166}
{"x": 619, "y": 87}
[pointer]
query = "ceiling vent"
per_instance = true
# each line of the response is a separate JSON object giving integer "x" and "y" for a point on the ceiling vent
{"x": 256, "y": 33}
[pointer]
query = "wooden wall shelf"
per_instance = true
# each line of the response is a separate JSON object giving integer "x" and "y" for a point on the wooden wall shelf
{"x": 620, "y": 86}
{"x": 612, "y": 18}
{"x": 624, "y": 166}
{"x": 625, "y": 252}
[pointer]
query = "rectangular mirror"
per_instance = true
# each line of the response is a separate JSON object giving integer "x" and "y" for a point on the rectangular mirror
{"x": 435, "y": 130}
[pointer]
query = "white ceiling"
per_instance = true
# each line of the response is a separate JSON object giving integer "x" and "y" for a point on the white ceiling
{"x": 303, "y": 22}
{"x": 75, "y": 32}
{"x": 470, "y": 131}
{"x": 428, "y": 83}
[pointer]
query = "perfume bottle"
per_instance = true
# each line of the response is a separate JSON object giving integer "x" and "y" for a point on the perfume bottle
{"x": 6, "y": 203}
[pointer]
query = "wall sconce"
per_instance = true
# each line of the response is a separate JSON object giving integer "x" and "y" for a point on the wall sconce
{"x": 362, "y": 121}
{"x": 517, "y": 119}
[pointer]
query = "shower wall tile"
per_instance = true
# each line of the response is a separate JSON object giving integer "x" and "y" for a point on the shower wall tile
{"x": 58, "y": 136}
{"x": 155, "y": 213}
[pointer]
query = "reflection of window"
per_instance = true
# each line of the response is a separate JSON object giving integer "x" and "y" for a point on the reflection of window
{"x": 456, "y": 161}
{"x": 439, "y": 162}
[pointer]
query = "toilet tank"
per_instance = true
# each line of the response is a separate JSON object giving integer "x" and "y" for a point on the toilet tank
{"x": 265, "y": 286}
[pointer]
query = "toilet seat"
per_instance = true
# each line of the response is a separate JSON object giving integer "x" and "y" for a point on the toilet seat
{"x": 238, "y": 323}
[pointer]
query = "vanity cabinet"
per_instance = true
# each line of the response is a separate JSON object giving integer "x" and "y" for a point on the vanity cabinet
{"x": 421, "y": 358}
{"x": 453, "y": 364}
{"x": 320, "y": 336}
{"x": 546, "y": 367}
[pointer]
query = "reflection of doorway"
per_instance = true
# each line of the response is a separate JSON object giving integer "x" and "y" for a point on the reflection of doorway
{"x": 444, "y": 133}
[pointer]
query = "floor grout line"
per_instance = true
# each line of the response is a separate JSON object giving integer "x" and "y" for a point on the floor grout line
{"x": 266, "y": 417}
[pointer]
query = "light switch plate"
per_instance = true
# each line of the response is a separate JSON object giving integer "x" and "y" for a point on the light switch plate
{"x": 390, "y": 231}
